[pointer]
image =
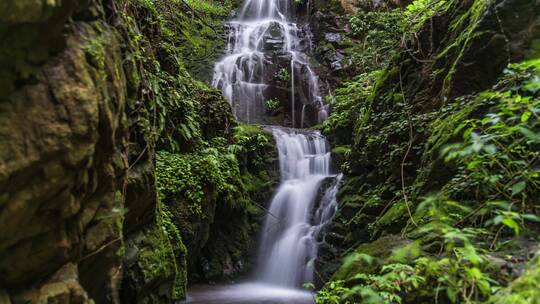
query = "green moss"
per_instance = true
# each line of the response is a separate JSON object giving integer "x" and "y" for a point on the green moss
{"x": 391, "y": 219}
{"x": 158, "y": 262}
{"x": 419, "y": 11}
{"x": 447, "y": 128}
{"x": 248, "y": 130}
{"x": 535, "y": 50}
{"x": 341, "y": 150}
{"x": 466, "y": 27}
{"x": 368, "y": 258}
{"x": 523, "y": 290}
{"x": 156, "y": 269}
{"x": 215, "y": 199}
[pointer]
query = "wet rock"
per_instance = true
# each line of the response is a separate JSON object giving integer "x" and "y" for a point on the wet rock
{"x": 62, "y": 287}
{"x": 273, "y": 44}
{"x": 69, "y": 110}
{"x": 155, "y": 267}
{"x": 332, "y": 37}
{"x": 337, "y": 62}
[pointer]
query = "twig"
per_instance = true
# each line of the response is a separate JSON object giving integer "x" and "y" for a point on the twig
{"x": 266, "y": 209}
{"x": 407, "y": 153}
{"x": 99, "y": 249}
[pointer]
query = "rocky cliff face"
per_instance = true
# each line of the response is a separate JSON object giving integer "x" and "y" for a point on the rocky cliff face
{"x": 83, "y": 108}
{"x": 64, "y": 137}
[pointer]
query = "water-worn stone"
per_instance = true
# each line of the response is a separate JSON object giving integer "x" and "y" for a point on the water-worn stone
{"x": 332, "y": 37}
{"x": 62, "y": 287}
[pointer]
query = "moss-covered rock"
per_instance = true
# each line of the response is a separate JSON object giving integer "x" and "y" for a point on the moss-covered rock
{"x": 156, "y": 270}
{"x": 70, "y": 150}
{"x": 218, "y": 200}
{"x": 523, "y": 290}
{"x": 368, "y": 257}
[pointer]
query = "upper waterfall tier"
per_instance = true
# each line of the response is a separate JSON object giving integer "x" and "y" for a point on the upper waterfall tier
{"x": 263, "y": 42}
{"x": 260, "y": 9}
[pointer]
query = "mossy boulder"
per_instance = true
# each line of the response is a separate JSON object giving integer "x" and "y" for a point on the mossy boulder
{"x": 368, "y": 258}
{"x": 524, "y": 289}
{"x": 217, "y": 201}
{"x": 156, "y": 269}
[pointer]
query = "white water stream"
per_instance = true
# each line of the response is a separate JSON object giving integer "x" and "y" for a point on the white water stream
{"x": 301, "y": 206}
{"x": 289, "y": 238}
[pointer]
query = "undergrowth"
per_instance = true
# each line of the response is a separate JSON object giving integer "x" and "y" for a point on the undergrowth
{"x": 490, "y": 141}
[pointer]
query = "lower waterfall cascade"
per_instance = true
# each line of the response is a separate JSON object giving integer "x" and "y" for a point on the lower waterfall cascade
{"x": 291, "y": 229}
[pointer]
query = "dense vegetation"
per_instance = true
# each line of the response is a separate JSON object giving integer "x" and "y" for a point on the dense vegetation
{"x": 208, "y": 168}
{"x": 458, "y": 233}
{"x": 449, "y": 213}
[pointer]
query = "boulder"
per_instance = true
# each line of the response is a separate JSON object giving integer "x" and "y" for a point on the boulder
{"x": 62, "y": 287}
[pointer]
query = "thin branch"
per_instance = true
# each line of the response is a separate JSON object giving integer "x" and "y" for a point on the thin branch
{"x": 411, "y": 139}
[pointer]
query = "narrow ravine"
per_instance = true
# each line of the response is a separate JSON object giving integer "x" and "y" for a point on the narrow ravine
{"x": 301, "y": 206}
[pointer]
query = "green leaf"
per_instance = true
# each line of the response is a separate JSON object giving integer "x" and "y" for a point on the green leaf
{"x": 484, "y": 287}
{"x": 531, "y": 217}
{"x": 510, "y": 223}
{"x": 535, "y": 137}
{"x": 525, "y": 117}
{"x": 452, "y": 294}
{"x": 518, "y": 188}
{"x": 308, "y": 286}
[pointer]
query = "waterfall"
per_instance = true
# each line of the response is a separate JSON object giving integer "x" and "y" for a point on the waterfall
{"x": 305, "y": 200}
{"x": 293, "y": 224}
{"x": 261, "y": 27}
{"x": 293, "y": 228}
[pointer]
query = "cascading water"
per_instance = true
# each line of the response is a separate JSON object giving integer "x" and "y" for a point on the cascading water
{"x": 293, "y": 227}
{"x": 240, "y": 75}
{"x": 301, "y": 207}
{"x": 289, "y": 242}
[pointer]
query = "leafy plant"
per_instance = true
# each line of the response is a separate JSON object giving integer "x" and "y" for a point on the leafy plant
{"x": 283, "y": 75}
{"x": 272, "y": 105}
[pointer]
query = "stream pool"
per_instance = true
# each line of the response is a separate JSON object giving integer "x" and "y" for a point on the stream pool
{"x": 249, "y": 293}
